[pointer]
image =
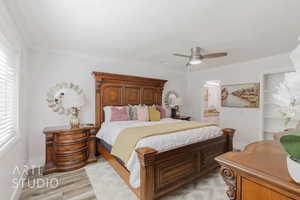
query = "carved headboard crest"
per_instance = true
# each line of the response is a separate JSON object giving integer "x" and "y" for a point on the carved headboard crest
{"x": 121, "y": 90}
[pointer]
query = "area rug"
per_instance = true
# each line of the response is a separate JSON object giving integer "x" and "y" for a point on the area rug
{"x": 109, "y": 186}
{"x": 74, "y": 185}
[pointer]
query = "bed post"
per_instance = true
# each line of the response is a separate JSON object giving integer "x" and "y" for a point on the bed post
{"x": 229, "y": 132}
{"x": 146, "y": 157}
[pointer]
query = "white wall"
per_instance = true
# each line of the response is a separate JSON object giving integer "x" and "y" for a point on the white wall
{"x": 15, "y": 154}
{"x": 245, "y": 120}
{"x": 49, "y": 68}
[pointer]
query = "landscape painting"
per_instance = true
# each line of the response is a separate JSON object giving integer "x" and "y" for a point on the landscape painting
{"x": 240, "y": 95}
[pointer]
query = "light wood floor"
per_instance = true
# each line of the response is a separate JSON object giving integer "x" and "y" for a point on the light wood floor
{"x": 73, "y": 185}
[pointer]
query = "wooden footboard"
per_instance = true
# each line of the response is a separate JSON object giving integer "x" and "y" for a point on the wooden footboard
{"x": 164, "y": 171}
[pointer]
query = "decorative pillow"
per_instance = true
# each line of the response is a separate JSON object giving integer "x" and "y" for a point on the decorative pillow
{"x": 142, "y": 113}
{"x": 162, "y": 111}
{"x": 154, "y": 115}
{"x": 119, "y": 114}
{"x": 132, "y": 112}
{"x": 107, "y": 113}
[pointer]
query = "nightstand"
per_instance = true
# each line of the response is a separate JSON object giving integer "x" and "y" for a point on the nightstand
{"x": 187, "y": 118}
{"x": 69, "y": 149}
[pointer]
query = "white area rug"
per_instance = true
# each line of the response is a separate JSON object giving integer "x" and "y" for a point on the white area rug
{"x": 109, "y": 186}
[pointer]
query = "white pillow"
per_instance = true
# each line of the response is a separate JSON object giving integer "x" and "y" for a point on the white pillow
{"x": 107, "y": 113}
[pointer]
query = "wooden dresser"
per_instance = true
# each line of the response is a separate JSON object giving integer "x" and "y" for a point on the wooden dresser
{"x": 68, "y": 149}
{"x": 258, "y": 173}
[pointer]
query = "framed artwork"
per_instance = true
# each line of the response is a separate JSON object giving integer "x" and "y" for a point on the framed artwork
{"x": 240, "y": 95}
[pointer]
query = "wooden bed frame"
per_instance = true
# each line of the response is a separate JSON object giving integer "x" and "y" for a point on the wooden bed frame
{"x": 161, "y": 171}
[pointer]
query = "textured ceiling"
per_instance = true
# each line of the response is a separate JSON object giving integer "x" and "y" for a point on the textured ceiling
{"x": 150, "y": 31}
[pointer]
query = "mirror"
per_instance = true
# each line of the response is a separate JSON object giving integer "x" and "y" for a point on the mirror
{"x": 170, "y": 99}
{"x": 56, "y": 94}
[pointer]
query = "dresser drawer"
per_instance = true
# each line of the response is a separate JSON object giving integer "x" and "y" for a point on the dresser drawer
{"x": 252, "y": 190}
{"x": 70, "y": 137}
{"x": 70, "y": 148}
{"x": 72, "y": 159}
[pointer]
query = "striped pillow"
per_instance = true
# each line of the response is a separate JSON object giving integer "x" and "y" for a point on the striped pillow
{"x": 132, "y": 112}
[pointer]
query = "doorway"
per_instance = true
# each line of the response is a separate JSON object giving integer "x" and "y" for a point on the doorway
{"x": 212, "y": 102}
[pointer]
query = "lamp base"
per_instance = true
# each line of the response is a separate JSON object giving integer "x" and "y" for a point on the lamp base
{"x": 173, "y": 112}
{"x": 74, "y": 119}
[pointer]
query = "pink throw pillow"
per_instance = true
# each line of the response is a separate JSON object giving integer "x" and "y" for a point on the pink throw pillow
{"x": 142, "y": 113}
{"x": 119, "y": 114}
{"x": 162, "y": 111}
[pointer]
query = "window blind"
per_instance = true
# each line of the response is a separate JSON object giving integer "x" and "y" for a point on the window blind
{"x": 8, "y": 93}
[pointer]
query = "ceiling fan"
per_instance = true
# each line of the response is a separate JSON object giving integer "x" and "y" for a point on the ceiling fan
{"x": 196, "y": 57}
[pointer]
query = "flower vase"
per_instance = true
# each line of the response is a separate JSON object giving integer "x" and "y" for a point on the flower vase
{"x": 74, "y": 119}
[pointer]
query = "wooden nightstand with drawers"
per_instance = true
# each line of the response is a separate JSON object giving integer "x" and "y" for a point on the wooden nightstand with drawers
{"x": 69, "y": 149}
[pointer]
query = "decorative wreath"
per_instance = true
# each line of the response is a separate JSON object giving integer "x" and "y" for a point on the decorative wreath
{"x": 56, "y": 94}
{"x": 167, "y": 98}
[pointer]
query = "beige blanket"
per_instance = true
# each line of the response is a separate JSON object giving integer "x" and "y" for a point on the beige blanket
{"x": 129, "y": 137}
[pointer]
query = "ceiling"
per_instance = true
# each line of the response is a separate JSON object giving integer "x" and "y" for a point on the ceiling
{"x": 150, "y": 31}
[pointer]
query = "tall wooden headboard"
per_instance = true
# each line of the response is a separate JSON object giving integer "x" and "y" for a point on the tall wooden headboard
{"x": 121, "y": 90}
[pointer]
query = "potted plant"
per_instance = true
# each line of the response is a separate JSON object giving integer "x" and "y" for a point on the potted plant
{"x": 291, "y": 144}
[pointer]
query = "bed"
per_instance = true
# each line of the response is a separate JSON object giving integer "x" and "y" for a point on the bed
{"x": 161, "y": 169}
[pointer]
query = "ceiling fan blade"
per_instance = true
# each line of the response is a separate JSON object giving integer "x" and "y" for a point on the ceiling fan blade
{"x": 214, "y": 55}
{"x": 181, "y": 55}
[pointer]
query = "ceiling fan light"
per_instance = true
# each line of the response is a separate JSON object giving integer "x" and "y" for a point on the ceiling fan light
{"x": 195, "y": 61}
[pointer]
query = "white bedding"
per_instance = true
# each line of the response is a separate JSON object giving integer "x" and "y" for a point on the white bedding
{"x": 110, "y": 130}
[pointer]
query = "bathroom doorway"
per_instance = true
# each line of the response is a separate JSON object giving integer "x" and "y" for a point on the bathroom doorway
{"x": 212, "y": 101}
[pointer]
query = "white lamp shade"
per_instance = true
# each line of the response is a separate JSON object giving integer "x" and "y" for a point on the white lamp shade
{"x": 178, "y": 102}
{"x": 72, "y": 99}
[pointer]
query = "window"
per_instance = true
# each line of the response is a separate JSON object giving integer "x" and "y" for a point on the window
{"x": 8, "y": 93}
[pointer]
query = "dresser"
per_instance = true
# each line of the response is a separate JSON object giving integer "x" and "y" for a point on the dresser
{"x": 69, "y": 149}
{"x": 258, "y": 173}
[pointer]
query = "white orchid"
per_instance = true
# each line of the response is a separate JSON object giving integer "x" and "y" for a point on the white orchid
{"x": 295, "y": 57}
{"x": 288, "y": 97}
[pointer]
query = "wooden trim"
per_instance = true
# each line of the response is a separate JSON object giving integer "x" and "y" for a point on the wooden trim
{"x": 147, "y": 172}
{"x": 103, "y": 77}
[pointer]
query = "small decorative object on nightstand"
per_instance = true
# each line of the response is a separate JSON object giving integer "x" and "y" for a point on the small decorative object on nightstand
{"x": 69, "y": 149}
{"x": 175, "y": 107}
{"x": 187, "y": 118}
